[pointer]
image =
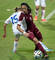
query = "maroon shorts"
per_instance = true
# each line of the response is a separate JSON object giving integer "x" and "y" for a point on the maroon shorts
{"x": 35, "y": 33}
{"x": 38, "y": 34}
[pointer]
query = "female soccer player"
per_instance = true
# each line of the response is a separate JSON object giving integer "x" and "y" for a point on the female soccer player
{"x": 30, "y": 26}
{"x": 14, "y": 19}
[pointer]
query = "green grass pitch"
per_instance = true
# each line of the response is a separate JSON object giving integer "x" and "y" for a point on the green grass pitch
{"x": 26, "y": 47}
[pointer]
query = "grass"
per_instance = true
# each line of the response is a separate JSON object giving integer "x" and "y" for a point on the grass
{"x": 26, "y": 47}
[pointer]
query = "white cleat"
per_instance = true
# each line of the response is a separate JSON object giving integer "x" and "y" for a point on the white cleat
{"x": 14, "y": 50}
{"x": 49, "y": 50}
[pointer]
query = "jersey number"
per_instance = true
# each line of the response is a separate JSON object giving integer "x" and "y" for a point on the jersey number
{"x": 14, "y": 19}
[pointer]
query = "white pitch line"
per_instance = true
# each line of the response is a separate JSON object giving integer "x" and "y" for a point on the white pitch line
{"x": 50, "y": 15}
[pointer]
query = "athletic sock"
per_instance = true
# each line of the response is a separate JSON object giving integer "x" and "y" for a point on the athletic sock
{"x": 15, "y": 45}
{"x": 43, "y": 45}
{"x": 37, "y": 12}
{"x": 43, "y": 14}
{"x": 39, "y": 46}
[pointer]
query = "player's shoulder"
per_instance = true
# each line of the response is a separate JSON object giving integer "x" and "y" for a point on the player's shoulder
{"x": 20, "y": 12}
{"x": 22, "y": 16}
{"x": 13, "y": 14}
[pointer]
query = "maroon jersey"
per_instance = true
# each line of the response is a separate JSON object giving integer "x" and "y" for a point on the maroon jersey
{"x": 31, "y": 26}
{"x": 29, "y": 21}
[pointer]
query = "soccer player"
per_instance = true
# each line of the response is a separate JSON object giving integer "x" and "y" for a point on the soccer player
{"x": 31, "y": 26}
{"x": 43, "y": 5}
{"x": 30, "y": 23}
{"x": 14, "y": 19}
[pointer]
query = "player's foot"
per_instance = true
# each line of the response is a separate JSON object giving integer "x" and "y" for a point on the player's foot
{"x": 35, "y": 18}
{"x": 14, "y": 51}
{"x": 46, "y": 56}
{"x": 44, "y": 20}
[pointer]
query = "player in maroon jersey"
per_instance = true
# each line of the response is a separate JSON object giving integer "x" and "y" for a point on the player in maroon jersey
{"x": 31, "y": 28}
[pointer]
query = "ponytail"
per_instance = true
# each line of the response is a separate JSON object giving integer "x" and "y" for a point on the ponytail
{"x": 16, "y": 9}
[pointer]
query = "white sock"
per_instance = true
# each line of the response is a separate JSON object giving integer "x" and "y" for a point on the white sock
{"x": 43, "y": 45}
{"x": 43, "y": 14}
{"x": 37, "y": 12}
{"x": 15, "y": 45}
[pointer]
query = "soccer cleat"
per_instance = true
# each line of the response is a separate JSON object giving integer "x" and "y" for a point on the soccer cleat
{"x": 46, "y": 56}
{"x": 44, "y": 20}
{"x": 35, "y": 18}
{"x": 14, "y": 51}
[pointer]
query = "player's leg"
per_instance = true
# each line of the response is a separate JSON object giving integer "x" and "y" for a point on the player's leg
{"x": 43, "y": 5}
{"x": 37, "y": 3}
{"x": 16, "y": 42}
{"x": 37, "y": 44}
{"x": 38, "y": 35}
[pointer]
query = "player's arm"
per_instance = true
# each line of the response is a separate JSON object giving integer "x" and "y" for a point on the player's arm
{"x": 4, "y": 35}
{"x": 19, "y": 25}
{"x": 5, "y": 25}
{"x": 21, "y": 30}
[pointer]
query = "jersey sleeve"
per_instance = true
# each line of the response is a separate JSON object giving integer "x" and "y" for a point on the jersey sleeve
{"x": 7, "y": 21}
{"x": 22, "y": 15}
{"x": 21, "y": 18}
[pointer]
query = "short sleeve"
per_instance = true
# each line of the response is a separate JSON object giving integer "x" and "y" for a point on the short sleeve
{"x": 22, "y": 15}
{"x": 7, "y": 21}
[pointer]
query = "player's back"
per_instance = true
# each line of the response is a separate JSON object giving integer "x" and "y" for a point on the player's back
{"x": 29, "y": 21}
{"x": 14, "y": 18}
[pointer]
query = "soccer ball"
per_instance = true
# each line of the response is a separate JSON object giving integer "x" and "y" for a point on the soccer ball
{"x": 38, "y": 54}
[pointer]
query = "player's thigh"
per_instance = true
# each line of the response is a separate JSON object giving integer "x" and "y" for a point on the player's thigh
{"x": 43, "y": 3}
{"x": 37, "y": 2}
{"x": 32, "y": 37}
{"x": 15, "y": 31}
{"x": 17, "y": 34}
{"x": 38, "y": 34}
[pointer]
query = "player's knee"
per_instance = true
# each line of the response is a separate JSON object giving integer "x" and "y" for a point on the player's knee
{"x": 37, "y": 7}
{"x": 31, "y": 35}
{"x": 16, "y": 39}
{"x": 35, "y": 40}
{"x": 43, "y": 8}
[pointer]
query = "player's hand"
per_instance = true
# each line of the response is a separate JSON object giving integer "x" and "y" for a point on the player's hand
{"x": 4, "y": 36}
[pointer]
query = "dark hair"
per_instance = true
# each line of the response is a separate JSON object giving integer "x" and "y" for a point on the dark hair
{"x": 28, "y": 7}
{"x": 16, "y": 9}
